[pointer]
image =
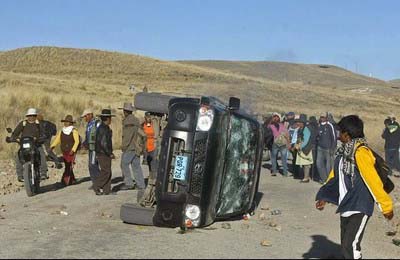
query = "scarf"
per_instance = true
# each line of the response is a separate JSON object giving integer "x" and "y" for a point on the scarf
{"x": 67, "y": 130}
{"x": 347, "y": 151}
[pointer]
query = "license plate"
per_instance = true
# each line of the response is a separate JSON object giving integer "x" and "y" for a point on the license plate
{"x": 26, "y": 145}
{"x": 180, "y": 167}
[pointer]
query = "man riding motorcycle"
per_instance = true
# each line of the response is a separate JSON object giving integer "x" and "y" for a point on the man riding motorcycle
{"x": 30, "y": 127}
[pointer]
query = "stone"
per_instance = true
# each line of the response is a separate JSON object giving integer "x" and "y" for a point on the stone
{"x": 266, "y": 243}
{"x": 226, "y": 226}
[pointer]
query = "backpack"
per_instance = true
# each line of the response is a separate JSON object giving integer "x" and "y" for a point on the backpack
{"x": 383, "y": 171}
{"x": 280, "y": 140}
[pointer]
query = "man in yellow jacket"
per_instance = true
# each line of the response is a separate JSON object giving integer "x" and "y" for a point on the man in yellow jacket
{"x": 354, "y": 185}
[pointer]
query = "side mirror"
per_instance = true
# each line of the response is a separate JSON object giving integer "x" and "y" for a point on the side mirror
{"x": 9, "y": 130}
{"x": 234, "y": 103}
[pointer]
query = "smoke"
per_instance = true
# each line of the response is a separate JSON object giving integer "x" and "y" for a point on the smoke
{"x": 287, "y": 55}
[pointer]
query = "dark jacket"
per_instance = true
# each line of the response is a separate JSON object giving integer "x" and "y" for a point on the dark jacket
{"x": 363, "y": 189}
{"x": 25, "y": 129}
{"x": 49, "y": 128}
{"x": 392, "y": 139}
{"x": 104, "y": 140}
{"x": 326, "y": 136}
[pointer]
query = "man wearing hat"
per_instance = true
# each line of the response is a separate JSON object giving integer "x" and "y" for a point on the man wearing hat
{"x": 30, "y": 127}
{"x": 326, "y": 146}
{"x": 133, "y": 145}
{"x": 104, "y": 154}
{"x": 68, "y": 139}
{"x": 90, "y": 143}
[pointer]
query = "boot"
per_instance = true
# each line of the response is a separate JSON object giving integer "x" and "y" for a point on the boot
{"x": 148, "y": 199}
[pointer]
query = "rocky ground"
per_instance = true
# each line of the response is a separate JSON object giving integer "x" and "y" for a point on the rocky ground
{"x": 72, "y": 222}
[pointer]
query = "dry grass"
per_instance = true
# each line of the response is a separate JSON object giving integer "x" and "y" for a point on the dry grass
{"x": 61, "y": 81}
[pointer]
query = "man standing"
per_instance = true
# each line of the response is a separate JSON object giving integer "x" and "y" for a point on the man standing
{"x": 280, "y": 144}
{"x": 104, "y": 154}
{"x": 391, "y": 134}
{"x": 50, "y": 130}
{"x": 90, "y": 143}
{"x": 354, "y": 185}
{"x": 30, "y": 127}
{"x": 326, "y": 146}
{"x": 133, "y": 145}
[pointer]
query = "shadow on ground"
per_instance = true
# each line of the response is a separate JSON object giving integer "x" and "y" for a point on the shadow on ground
{"x": 323, "y": 248}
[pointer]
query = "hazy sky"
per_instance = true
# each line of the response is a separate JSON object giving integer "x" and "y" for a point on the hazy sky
{"x": 362, "y": 36}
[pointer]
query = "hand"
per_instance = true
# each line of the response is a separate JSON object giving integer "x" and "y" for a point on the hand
{"x": 112, "y": 156}
{"x": 71, "y": 153}
{"x": 320, "y": 204}
{"x": 389, "y": 215}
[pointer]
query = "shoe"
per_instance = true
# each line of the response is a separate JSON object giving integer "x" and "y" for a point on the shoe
{"x": 44, "y": 177}
{"x": 20, "y": 179}
{"x": 305, "y": 181}
{"x": 126, "y": 187}
{"x": 273, "y": 174}
{"x": 98, "y": 192}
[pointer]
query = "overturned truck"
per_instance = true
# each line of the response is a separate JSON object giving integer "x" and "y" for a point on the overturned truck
{"x": 209, "y": 162}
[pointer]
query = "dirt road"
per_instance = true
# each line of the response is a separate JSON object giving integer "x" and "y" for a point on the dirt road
{"x": 74, "y": 223}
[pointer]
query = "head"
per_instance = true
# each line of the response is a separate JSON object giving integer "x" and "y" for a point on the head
{"x": 106, "y": 119}
{"x": 127, "y": 112}
{"x": 276, "y": 118}
{"x": 31, "y": 115}
{"x": 387, "y": 122}
{"x": 290, "y": 116}
{"x": 87, "y": 115}
{"x": 68, "y": 121}
{"x": 351, "y": 127}
{"x": 106, "y": 115}
{"x": 127, "y": 109}
{"x": 147, "y": 117}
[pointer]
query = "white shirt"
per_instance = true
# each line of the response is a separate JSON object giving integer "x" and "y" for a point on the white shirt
{"x": 343, "y": 191}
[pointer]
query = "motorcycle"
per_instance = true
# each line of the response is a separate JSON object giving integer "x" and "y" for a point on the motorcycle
{"x": 29, "y": 156}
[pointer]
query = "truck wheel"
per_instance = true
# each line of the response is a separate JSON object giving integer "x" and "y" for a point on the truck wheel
{"x": 135, "y": 214}
{"x": 152, "y": 102}
{"x": 29, "y": 186}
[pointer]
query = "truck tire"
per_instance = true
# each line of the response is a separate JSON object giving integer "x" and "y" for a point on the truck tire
{"x": 137, "y": 215}
{"x": 152, "y": 102}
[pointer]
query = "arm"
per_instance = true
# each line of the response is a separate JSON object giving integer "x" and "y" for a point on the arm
{"x": 306, "y": 137}
{"x": 17, "y": 131}
{"x": 56, "y": 141}
{"x": 75, "y": 134}
{"x": 365, "y": 162}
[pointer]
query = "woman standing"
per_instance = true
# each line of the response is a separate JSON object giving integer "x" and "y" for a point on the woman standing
{"x": 68, "y": 139}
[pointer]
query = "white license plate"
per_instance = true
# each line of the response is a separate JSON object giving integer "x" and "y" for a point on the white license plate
{"x": 180, "y": 167}
{"x": 26, "y": 145}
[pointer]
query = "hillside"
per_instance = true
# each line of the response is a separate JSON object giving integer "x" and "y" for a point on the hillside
{"x": 64, "y": 80}
{"x": 310, "y": 74}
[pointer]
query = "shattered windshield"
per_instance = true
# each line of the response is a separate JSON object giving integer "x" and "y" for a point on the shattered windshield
{"x": 240, "y": 167}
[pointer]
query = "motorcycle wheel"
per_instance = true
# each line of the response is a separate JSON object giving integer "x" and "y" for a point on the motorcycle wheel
{"x": 30, "y": 188}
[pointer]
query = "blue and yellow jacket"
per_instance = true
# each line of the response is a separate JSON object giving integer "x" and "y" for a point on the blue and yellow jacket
{"x": 365, "y": 188}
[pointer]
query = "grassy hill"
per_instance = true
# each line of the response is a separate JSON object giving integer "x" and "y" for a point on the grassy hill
{"x": 310, "y": 74}
{"x": 62, "y": 81}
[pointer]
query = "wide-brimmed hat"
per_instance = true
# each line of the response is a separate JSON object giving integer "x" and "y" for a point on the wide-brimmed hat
{"x": 323, "y": 114}
{"x": 86, "y": 112}
{"x": 68, "y": 118}
{"x": 106, "y": 112}
{"x": 31, "y": 112}
{"x": 128, "y": 107}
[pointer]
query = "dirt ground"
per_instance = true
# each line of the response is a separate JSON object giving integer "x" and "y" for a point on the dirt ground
{"x": 72, "y": 222}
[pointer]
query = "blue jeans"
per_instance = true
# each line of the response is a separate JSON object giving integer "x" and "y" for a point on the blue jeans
{"x": 324, "y": 163}
{"x": 129, "y": 159}
{"x": 274, "y": 155}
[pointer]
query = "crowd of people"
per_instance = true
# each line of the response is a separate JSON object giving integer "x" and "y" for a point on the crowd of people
{"x": 311, "y": 144}
{"x": 139, "y": 138}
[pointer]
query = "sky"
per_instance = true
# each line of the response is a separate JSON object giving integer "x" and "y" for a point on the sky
{"x": 362, "y": 36}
